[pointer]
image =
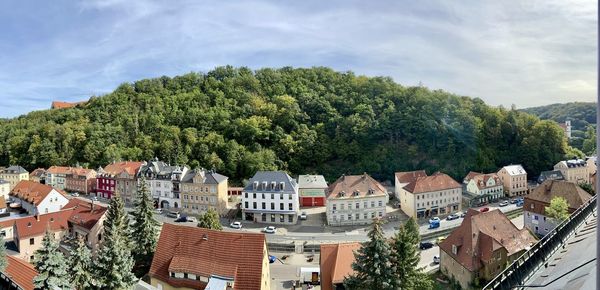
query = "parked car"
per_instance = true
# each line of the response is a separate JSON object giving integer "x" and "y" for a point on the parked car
{"x": 173, "y": 214}
{"x": 192, "y": 219}
{"x": 159, "y": 210}
{"x": 94, "y": 198}
{"x": 272, "y": 259}
{"x": 236, "y": 225}
{"x": 270, "y": 230}
{"x": 181, "y": 219}
{"x": 425, "y": 245}
{"x": 436, "y": 260}
{"x": 440, "y": 239}
{"x": 434, "y": 219}
{"x": 504, "y": 203}
{"x": 75, "y": 194}
{"x": 303, "y": 216}
{"x": 484, "y": 209}
{"x": 434, "y": 224}
{"x": 513, "y": 201}
{"x": 463, "y": 214}
{"x": 520, "y": 202}
{"x": 452, "y": 217}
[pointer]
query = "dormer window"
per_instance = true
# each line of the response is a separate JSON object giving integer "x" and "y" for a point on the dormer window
{"x": 264, "y": 185}
{"x": 342, "y": 193}
{"x": 282, "y": 186}
{"x": 273, "y": 184}
{"x": 255, "y": 185}
{"x": 454, "y": 249}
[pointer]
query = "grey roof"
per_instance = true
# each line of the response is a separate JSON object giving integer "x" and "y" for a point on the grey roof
{"x": 550, "y": 175}
{"x": 14, "y": 169}
{"x": 210, "y": 176}
{"x": 273, "y": 176}
{"x": 312, "y": 181}
{"x": 159, "y": 169}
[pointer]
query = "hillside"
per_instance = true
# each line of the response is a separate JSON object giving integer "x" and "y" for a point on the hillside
{"x": 581, "y": 114}
{"x": 301, "y": 120}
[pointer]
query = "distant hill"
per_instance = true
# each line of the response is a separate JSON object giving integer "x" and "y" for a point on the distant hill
{"x": 581, "y": 114}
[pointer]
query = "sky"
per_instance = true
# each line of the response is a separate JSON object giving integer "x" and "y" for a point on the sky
{"x": 526, "y": 53}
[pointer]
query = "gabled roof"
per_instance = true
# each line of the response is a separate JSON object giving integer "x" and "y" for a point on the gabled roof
{"x": 59, "y": 170}
{"x": 15, "y": 169}
{"x": 31, "y": 226}
{"x": 470, "y": 176}
{"x": 348, "y": 186}
{"x": 273, "y": 176}
{"x": 336, "y": 263}
{"x": 481, "y": 180}
{"x": 311, "y": 181}
{"x": 550, "y": 175}
{"x": 436, "y": 182}
{"x": 39, "y": 172}
{"x": 131, "y": 167}
{"x": 210, "y": 176}
{"x": 183, "y": 249}
{"x": 2, "y": 202}
{"x": 410, "y": 176}
{"x": 20, "y": 272}
{"x": 31, "y": 191}
{"x": 514, "y": 169}
{"x": 573, "y": 163}
{"x": 83, "y": 214}
{"x": 574, "y": 194}
{"x": 65, "y": 105}
{"x": 481, "y": 234}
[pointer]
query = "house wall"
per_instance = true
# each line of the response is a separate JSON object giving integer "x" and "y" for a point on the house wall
{"x": 53, "y": 202}
{"x": 313, "y": 195}
{"x": 56, "y": 180}
{"x": 4, "y": 190}
{"x": 407, "y": 202}
{"x": 495, "y": 265}
{"x": 7, "y": 233}
{"x": 351, "y": 210}
{"x": 105, "y": 186}
{"x": 197, "y": 198}
{"x": 538, "y": 223}
{"x": 573, "y": 174}
{"x": 126, "y": 187}
{"x": 425, "y": 204}
{"x": 513, "y": 184}
{"x": 13, "y": 179}
{"x": 453, "y": 269}
{"x": 268, "y": 197}
{"x": 26, "y": 250}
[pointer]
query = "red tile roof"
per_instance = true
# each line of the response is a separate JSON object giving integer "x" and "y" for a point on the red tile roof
{"x": 549, "y": 189}
{"x": 237, "y": 255}
{"x": 481, "y": 180}
{"x": 481, "y": 234}
{"x": 131, "y": 167}
{"x": 410, "y": 176}
{"x": 64, "y": 105}
{"x": 470, "y": 175}
{"x": 20, "y": 272}
{"x": 38, "y": 172}
{"x": 31, "y": 226}
{"x": 2, "y": 202}
{"x": 83, "y": 215}
{"x": 336, "y": 263}
{"x": 436, "y": 182}
{"x": 359, "y": 184}
{"x": 31, "y": 191}
{"x": 59, "y": 170}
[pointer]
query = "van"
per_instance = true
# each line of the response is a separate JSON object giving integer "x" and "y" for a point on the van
{"x": 173, "y": 214}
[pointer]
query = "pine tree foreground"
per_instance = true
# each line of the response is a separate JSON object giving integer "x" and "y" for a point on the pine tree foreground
{"x": 80, "y": 266}
{"x": 144, "y": 234}
{"x": 51, "y": 266}
{"x": 406, "y": 256}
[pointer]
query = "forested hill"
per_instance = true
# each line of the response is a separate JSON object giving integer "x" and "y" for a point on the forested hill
{"x": 312, "y": 120}
{"x": 581, "y": 114}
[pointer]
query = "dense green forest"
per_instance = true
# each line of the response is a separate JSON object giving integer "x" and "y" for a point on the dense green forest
{"x": 301, "y": 120}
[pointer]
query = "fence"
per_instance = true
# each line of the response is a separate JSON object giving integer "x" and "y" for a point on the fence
{"x": 528, "y": 263}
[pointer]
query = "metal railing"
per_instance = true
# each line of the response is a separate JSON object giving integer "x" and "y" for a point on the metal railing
{"x": 530, "y": 261}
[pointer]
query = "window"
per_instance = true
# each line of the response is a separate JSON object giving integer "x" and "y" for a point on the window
{"x": 373, "y": 215}
{"x": 281, "y": 196}
{"x": 272, "y": 218}
{"x": 349, "y": 216}
{"x": 254, "y": 205}
{"x": 264, "y": 205}
{"x": 365, "y": 216}
{"x": 246, "y": 204}
{"x": 290, "y": 206}
{"x": 263, "y": 196}
{"x": 185, "y": 275}
{"x": 290, "y": 218}
{"x": 342, "y": 206}
{"x": 272, "y": 196}
{"x": 254, "y": 195}
{"x": 357, "y": 216}
{"x": 289, "y": 196}
{"x": 32, "y": 241}
{"x": 172, "y": 274}
{"x": 334, "y": 206}
{"x": 272, "y": 206}
{"x": 380, "y": 203}
{"x": 357, "y": 205}
{"x": 380, "y": 214}
{"x": 99, "y": 237}
{"x": 365, "y": 204}
{"x": 282, "y": 218}
{"x": 372, "y": 204}
{"x": 263, "y": 217}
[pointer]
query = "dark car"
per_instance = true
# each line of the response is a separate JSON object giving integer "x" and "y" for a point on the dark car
{"x": 181, "y": 219}
{"x": 452, "y": 217}
{"x": 425, "y": 245}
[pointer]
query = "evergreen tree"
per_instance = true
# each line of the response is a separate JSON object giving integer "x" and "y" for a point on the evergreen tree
{"x": 3, "y": 261}
{"x": 114, "y": 262}
{"x": 210, "y": 220}
{"x": 80, "y": 266}
{"x": 372, "y": 263}
{"x": 51, "y": 265}
{"x": 144, "y": 230}
{"x": 406, "y": 256}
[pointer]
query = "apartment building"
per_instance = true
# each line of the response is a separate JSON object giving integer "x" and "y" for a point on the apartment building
{"x": 82, "y": 180}
{"x": 575, "y": 170}
{"x": 37, "y": 198}
{"x": 271, "y": 197}
{"x": 164, "y": 182}
{"x": 86, "y": 221}
{"x": 514, "y": 180}
{"x": 355, "y": 200}
{"x": 118, "y": 178}
{"x": 38, "y": 175}
{"x": 56, "y": 176}
{"x": 484, "y": 187}
{"x": 202, "y": 190}
{"x": 29, "y": 231}
{"x": 402, "y": 179}
{"x": 429, "y": 196}
{"x": 14, "y": 174}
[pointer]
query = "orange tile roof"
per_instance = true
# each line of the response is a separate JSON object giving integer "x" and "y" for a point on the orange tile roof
{"x": 36, "y": 226}
{"x": 20, "y": 272}
{"x": 7, "y": 223}
{"x": 438, "y": 181}
{"x": 83, "y": 215}
{"x": 360, "y": 184}
{"x": 336, "y": 263}
{"x": 237, "y": 255}
{"x": 2, "y": 202}
{"x": 38, "y": 172}
{"x": 481, "y": 180}
{"x": 131, "y": 167}
{"x": 410, "y": 176}
{"x": 59, "y": 170}
{"x": 481, "y": 234}
{"x": 471, "y": 174}
{"x": 65, "y": 105}
{"x": 32, "y": 192}
{"x": 549, "y": 189}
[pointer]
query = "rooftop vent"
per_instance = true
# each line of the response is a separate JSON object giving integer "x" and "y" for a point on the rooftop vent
{"x": 205, "y": 237}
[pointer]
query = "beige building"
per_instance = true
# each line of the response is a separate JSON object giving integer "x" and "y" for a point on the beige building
{"x": 480, "y": 248}
{"x": 4, "y": 188}
{"x": 514, "y": 179}
{"x": 203, "y": 189}
{"x": 14, "y": 174}
{"x": 428, "y": 196}
{"x": 86, "y": 221}
{"x": 189, "y": 258}
{"x": 29, "y": 231}
{"x": 575, "y": 171}
{"x": 402, "y": 179}
{"x": 355, "y": 200}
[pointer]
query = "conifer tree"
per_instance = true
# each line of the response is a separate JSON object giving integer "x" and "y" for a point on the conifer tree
{"x": 3, "y": 261}
{"x": 114, "y": 262}
{"x": 210, "y": 220}
{"x": 372, "y": 263}
{"x": 51, "y": 265}
{"x": 406, "y": 256}
{"x": 144, "y": 234}
{"x": 80, "y": 266}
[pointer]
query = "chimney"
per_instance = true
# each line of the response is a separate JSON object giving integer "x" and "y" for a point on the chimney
{"x": 37, "y": 217}
{"x": 92, "y": 205}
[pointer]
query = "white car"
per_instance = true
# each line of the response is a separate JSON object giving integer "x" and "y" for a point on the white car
{"x": 159, "y": 211}
{"x": 434, "y": 219}
{"x": 504, "y": 203}
{"x": 436, "y": 260}
{"x": 192, "y": 219}
{"x": 236, "y": 225}
{"x": 75, "y": 194}
{"x": 270, "y": 230}
{"x": 303, "y": 216}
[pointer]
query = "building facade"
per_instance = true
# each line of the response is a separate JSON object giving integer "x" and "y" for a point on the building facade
{"x": 38, "y": 175}
{"x": 430, "y": 196}
{"x": 550, "y": 175}
{"x": 118, "y": 178}
{"x": 402, "y": 179}
{"x": 534, "y": 207}
{"x": 271, "y": 197}
{"x": 202, "y": 190}
{"x": 164, "y": 182}
{"x": 81, "y": 180}
{"x": 355, "y": 200}
{"x": 14, "y": 174}
{"x": 573, "y": 170}
{"x": 514, "y": 179}
{"x": 37, "y": 198}
{"x": 56, "y": 176}
{"x": 486, "y": 187}
{"x": 4, "y": 188}
{"x": 86, "y": 222}
{"x": 29, "y": 231}
{"x": 312, "y": 190}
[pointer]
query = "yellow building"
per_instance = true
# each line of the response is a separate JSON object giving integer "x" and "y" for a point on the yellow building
{"x": 203, "y": 189}
{"x": 14, "y": 174}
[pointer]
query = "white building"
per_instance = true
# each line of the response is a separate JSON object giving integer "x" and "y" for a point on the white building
{"x": 514, "y": 180}
{"x": 355, "y": 200}
{"x": 575, "y": 170}
{"x": 486, "y": 187}
{"x": 37, "y": 198}
{"x": 164, "y": 182}
{"x": 271, "y": 197}
{"x": 56, "y": 176}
